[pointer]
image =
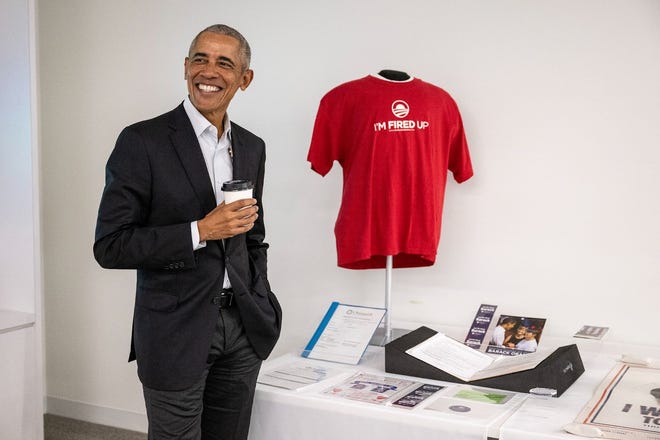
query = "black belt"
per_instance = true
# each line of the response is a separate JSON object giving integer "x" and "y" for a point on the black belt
{"x": 224, "y": 299}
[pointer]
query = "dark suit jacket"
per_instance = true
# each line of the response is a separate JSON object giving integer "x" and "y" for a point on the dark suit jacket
{"x": 156, "y": 184}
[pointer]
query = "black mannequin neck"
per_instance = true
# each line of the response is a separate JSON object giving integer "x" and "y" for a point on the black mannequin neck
{"x": 394, "y": 75}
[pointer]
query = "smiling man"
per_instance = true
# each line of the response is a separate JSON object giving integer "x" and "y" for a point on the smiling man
{"x": 217, "y": 65}
{"x": 205, "y": 316}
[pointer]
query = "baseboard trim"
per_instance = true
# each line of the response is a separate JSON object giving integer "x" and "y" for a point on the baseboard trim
{"x": 101, "y": 415}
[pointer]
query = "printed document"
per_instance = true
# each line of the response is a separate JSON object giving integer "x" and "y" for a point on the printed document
{"x": 344, "y": 333}
{"x": 467, "y": 364}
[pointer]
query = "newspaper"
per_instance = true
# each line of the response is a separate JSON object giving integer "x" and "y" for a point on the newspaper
{"x": 626, "y": 405}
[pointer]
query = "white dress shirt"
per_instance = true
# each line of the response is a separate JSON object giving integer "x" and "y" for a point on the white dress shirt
{"x": 217, "y": 156}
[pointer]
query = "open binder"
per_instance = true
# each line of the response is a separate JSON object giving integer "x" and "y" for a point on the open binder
{"x": 558, "y": 371}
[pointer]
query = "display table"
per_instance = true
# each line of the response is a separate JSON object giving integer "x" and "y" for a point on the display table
{"x": 543, "y": 419}
{"x": 280, "y": 414}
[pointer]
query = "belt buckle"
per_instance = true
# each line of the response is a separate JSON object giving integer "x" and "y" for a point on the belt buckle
{"x": 229, "y": 298}
{"x": 224, "y": 299}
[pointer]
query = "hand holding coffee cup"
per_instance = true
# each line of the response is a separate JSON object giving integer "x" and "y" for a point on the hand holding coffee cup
{"x": 235, "y": 216}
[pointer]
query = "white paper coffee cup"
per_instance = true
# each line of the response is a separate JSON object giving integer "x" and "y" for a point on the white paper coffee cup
{"x": 237, "y": 190}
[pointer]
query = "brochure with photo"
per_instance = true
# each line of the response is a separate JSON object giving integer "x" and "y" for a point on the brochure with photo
{"x": 514, "y": 335}
{"x": 507, "y": 335}
{"x": 371, "y": 388}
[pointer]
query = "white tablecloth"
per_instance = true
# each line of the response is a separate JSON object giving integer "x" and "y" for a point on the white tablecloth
{"x": 281, "y": 414}
{"x": 300, "y": 415}
{"x": 544, "y": 419}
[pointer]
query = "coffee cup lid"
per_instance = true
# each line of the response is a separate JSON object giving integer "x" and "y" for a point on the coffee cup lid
{"x": 237, "y": 185}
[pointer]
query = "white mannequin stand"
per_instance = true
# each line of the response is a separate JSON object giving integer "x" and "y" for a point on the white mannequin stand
{"x": 384, "y": 334}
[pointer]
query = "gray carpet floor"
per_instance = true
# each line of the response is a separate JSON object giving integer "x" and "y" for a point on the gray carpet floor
{"x": 61, "y": 428}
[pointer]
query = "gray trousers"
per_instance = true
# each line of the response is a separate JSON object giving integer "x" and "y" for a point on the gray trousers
{"x": 219, "y": 405}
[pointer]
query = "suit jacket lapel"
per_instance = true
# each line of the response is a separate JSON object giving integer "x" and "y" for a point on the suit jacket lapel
{"x": 240, "y": 162}
{"x": 187, "y": 147}
{"x": 243, "y": 162}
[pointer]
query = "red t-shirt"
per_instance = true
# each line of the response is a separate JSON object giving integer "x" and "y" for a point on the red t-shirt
{"x": 395, "y": 142}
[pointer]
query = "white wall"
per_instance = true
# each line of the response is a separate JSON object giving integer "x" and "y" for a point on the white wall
{"x": 16, "y": 177}
{"x": 21, "y": 373}
{"x": 561, "y": 103}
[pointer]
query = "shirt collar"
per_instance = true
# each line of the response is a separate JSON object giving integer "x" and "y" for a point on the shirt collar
{"x": 200, "y": 123}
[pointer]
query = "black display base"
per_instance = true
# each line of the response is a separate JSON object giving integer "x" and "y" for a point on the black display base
{"x": 558, "y": 371}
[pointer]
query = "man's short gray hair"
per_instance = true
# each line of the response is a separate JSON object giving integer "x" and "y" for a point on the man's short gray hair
{"x": 223, "y": 29}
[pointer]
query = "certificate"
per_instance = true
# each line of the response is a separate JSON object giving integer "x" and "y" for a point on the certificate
{"x": 344, "y": 333}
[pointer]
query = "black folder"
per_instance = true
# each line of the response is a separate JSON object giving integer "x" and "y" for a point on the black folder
{"x": 558, "y": 371}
